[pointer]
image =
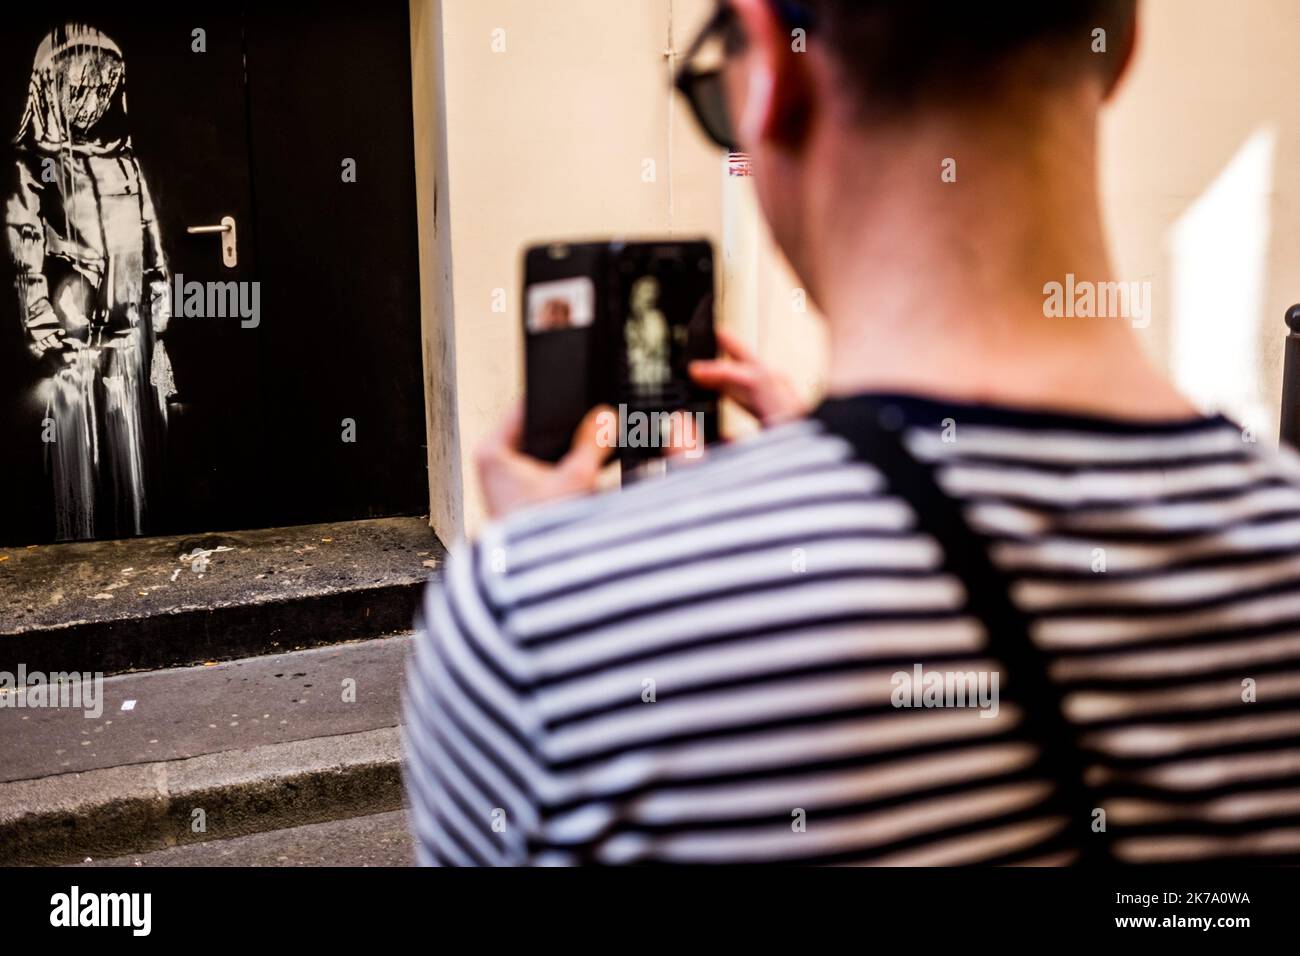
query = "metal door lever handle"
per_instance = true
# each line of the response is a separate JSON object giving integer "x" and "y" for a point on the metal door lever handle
{"x": 229, "y": 244}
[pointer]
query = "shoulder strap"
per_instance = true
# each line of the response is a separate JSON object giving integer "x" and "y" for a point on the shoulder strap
{"x": 874, "y": 429}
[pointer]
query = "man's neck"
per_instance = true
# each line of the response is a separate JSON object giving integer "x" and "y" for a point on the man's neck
{"x": 939, "y": 287}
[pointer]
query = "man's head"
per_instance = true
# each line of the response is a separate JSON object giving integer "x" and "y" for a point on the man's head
{"x": 851, "y": 90}
{"x": 87, "y": 78}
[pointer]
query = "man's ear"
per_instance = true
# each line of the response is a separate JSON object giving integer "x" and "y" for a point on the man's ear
{"x": 778, "y": 91}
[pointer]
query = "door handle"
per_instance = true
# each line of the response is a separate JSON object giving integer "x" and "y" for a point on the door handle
{"x": 229, "y": 244}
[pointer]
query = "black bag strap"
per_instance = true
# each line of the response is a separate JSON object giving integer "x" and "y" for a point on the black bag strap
{"x": 874, "y": 428}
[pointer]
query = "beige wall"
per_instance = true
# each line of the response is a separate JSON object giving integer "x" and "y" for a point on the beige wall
{"x": 438, "y": 333}
{"x": 1200, "y": 150}
{"x": 548, "y": 140}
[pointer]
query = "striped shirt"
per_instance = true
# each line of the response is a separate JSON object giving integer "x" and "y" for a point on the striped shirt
{"x": 760, "y": 657}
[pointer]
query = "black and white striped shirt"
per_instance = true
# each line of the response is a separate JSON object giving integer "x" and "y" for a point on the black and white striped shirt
{"x": 706, "y": 668}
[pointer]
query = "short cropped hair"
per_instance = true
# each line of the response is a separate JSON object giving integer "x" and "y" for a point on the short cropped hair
{"x": 898, "y": 52}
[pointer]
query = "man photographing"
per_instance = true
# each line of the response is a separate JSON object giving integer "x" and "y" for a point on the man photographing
{"x": 706, "y": 668}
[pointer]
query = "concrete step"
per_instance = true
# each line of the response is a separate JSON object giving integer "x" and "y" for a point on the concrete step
{"x": 379, "y": 839}
{"x": 140, "y": 603}
{"x": 188, "y": 755}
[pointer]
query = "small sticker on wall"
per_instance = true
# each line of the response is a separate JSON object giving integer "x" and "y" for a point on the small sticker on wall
{"x": 738, "y": 164}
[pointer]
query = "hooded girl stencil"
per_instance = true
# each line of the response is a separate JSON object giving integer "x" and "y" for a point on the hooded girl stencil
{"x": 92, "y": 284}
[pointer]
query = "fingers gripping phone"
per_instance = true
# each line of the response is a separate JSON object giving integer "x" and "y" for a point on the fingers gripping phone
{"x": 618, "y": 324}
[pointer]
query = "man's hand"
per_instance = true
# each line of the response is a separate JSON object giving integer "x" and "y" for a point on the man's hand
{"x": 512, "y": 480}
{"x": 763, "y": 392}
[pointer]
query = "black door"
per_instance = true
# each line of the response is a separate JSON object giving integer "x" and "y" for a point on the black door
{"x": 159, "y": 375}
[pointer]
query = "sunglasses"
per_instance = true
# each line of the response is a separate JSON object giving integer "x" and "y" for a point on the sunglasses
{"x": 702, "y": 85}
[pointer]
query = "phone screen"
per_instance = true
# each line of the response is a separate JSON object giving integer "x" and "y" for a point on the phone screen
{"x": 618, "y": 324}
{"x": 663, "y": 297}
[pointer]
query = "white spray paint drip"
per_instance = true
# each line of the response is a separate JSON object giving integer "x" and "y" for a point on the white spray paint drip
{"x": 75, "y": 451}
{"x": 123, "y": 427}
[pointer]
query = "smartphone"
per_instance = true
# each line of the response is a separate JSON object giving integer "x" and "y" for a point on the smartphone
{"x": 618, "y": 323}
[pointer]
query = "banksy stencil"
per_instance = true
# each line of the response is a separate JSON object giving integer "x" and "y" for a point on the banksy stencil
{"x": 647, "y": 335}
{"x": 92, "y": 284}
